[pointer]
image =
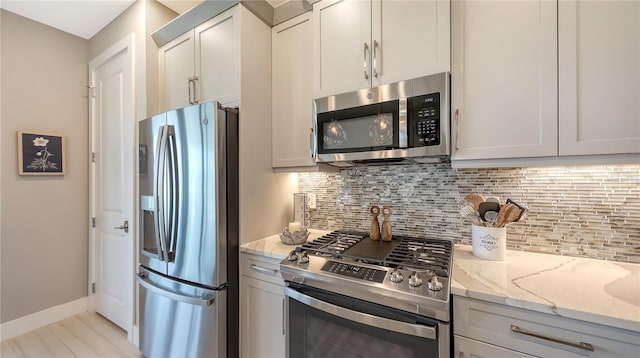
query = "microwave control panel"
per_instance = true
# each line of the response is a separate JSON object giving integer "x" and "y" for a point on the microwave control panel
{"x": 424, "y": 119}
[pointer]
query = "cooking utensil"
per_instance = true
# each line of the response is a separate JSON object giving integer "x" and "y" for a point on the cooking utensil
{"x": 466, "y": 211}
{"x": 523, "y": 209}
{"x": 489, "y": 212}
{"x": 474, "y": 199}
{"x": 508, "y": 214}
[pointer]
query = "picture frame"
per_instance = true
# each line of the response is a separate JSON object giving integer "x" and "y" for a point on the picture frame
{"x": 41, "y": 153}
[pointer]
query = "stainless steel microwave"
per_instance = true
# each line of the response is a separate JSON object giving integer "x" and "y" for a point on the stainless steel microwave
{"x": 393, "y": 122}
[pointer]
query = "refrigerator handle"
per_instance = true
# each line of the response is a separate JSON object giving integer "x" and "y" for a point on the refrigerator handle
{"x": 198, "y": 301}
{"x": 173, "y": 194}
{"x": 159, "y": 193}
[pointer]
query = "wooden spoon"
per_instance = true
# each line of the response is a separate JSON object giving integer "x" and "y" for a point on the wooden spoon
{"x": 474, "y": 199}
{"x": 508, "y": 213}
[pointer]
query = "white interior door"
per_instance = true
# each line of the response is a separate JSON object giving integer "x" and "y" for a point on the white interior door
{"x": 112, "y": 174}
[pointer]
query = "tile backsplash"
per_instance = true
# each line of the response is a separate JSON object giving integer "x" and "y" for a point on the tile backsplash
{"x": 585, "y": 211}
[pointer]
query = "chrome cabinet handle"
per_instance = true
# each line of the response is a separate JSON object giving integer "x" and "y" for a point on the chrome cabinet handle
{"x": 363, "y": 318}
{"x": 457, "y": 129}
{"x": 124, "y": 226}
{"x": 375, "y": 58}
{"x": 146, "y": 283}
{"x": 366, "y": 65}
{"x": 580, "y": 345}
{"x": 189, "y": 84}
{"x": 195, "y": 89}
{"x": 263, "y": 270}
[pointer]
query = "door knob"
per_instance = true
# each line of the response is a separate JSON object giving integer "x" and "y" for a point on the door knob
{"x": 124, "y": 227}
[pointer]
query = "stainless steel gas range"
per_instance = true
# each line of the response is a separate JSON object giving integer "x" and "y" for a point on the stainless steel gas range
{"x": 350, "y": 296}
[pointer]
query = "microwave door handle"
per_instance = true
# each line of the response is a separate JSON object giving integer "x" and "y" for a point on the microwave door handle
{"x": 363, "y": 318}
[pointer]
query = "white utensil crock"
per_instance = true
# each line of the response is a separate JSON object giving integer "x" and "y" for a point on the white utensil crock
{"x": 489, "y": 243}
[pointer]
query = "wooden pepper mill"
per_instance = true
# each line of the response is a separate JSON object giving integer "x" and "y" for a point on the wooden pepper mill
{"x": 374, "y": 231}
{"x": 386, "y": 224}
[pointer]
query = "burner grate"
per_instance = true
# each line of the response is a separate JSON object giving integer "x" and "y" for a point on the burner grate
{"x": 422, "y": 254}
{"x": 332, "y": 244}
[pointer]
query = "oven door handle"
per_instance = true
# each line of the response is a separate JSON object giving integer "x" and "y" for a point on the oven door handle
{"x": 363, "y": 318}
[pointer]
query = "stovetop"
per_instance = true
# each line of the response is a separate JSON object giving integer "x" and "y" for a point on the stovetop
{"x": 415, "y": 254}
{"x": 399, "y": 273}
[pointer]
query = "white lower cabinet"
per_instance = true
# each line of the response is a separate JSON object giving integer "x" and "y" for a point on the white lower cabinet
{"x": 262, "y": 315}
{"x": 483, "y": 329}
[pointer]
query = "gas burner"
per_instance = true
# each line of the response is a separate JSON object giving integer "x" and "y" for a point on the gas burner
{"x": 333, "y": 244}
{"x": 422, "y": 255}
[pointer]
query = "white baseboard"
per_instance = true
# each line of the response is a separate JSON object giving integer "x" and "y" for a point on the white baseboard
{"x": 43, "y": 318}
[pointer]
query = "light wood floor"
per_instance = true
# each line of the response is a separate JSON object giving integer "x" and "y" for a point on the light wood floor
{"x": 84, "y": 335}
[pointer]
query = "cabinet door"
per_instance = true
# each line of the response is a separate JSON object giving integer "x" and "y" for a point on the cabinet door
{"x": 176, "y": 69}
{"x": 217, "y": 58}
{"x": 292, "y": 73}
{"x": 470, "y": 348}
{"x": 504, "y": 82}
{"x": 262, "y": 315}
{"x": 599, "y": 77}
{"x": 410, "y": 39}
{"x": 342, "y": 46}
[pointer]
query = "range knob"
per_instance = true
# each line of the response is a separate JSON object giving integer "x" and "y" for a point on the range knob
{"x": 434, "y": 284}
{"x": 414, "y": 279}
{"x": 304, "y": 258}
{"x": 292, "y": 256}
{"x": 396, "y": 276}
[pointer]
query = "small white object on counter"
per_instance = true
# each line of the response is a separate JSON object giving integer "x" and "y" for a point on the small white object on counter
{"x": 294, "y": 226}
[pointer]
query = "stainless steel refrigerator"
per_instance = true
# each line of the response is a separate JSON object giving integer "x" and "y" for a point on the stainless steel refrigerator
{"x": 188, "y": 249}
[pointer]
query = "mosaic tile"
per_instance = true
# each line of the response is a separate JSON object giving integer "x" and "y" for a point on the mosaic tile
{"x": 583, "y": 211}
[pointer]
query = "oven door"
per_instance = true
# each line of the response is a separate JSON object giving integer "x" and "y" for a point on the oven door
{"x": 325, "y": 324}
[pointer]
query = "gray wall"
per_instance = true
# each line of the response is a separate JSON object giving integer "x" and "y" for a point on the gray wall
{"x": 585, "y": 211}
{"x": 44, "y": 220}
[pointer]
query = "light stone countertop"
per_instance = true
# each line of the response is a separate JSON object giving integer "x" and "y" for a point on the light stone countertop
{"x": 273, "y": 247}
{"x": 603, "y": 292}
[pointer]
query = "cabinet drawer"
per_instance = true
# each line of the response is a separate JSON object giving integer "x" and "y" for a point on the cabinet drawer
{"x": 470, "y": 348}
{"x": 540, "y": 334}
{"x": 261, "y": 268}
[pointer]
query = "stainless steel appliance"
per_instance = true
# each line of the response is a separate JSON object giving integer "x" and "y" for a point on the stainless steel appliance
{"x": 188, "y": 250}
{"x": 394, "y": 122}
{"x": 349, "y": 296}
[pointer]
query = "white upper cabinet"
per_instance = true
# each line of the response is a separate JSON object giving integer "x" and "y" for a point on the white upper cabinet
{"x": 203, "y": 64}
{"x": 504, "y": 79}
{"x": 361, "y": 44}
{"x": 341, "y": 49}
{"x": 410, "y": 39}
{"x": 176, "y": 72}
{"x": 599, "y": 77}
{"x": 292, "y": 92}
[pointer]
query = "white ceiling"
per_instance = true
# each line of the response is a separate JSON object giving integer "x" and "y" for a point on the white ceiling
{"x": 85, "y": 18}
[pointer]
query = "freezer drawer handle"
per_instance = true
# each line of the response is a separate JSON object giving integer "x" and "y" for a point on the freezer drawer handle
{"x": 363, "y": 318}
{"x": 581, "y": 345}
{"x": 146, "y": 283}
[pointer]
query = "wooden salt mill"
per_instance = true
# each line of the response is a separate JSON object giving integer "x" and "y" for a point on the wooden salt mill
{"x": 374, "y": 231}
{"x": 386, "y": 224}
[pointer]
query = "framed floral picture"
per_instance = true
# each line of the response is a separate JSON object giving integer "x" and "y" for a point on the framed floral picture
{"x": 40, "y": 153}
